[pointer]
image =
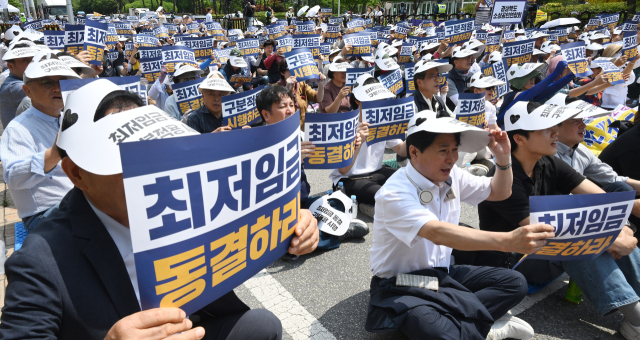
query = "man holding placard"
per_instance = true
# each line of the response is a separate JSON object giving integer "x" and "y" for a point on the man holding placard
{"x": 208, "y": 118}
{"x": 415, "y": 288}
{"x": 610, "y": 280}
{"x": 426, "y": 75}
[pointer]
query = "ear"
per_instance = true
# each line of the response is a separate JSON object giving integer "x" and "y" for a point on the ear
{"x": 413, "y": 152}
{"x": 266, "y": 115}
{"x": 73, "y": 172}
{"x": 519, "y": 139}
{"x": 26, "y": 90}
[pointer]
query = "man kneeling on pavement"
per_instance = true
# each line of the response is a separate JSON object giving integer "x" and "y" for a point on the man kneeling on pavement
{"x": 416, "y": 226}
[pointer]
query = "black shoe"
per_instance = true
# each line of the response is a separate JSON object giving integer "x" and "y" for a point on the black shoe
{"x": 289, "y": 257}
{"x": 357, "y": 229}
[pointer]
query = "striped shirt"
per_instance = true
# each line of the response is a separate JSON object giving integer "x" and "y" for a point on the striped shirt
{"x": 203, "y": 121}
{"x": 22, "y": 149}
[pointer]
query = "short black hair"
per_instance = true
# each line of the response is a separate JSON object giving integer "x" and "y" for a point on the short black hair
{"x": 531, "y": 106}
{"x": 270, "y": 95}
{"x": 423, "y": 139}
{"x": 270, "y": 42}
{"x": 283, "y": 67}
{"x": 117, "y": 100}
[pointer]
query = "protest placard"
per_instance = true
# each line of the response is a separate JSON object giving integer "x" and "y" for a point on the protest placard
{"x": 615, "y": 74}
{"x": 301, "y": 64}
{"x": 202, "y": 47}
{"x": 172, "y": 29}
{"x": 360, "y": 43}
{"x": 240, "y": 78}
{"x": 585, "y": 225}
{"x": 275, "y": 31}
{"x": 222, "y": 55}
{"x": 368, "y": 23}
{"x": 499, "y": 71}
{"x": 325, "y": 49}
{"x": 171, "y": 55}
{"x": 508, "y": 12}
{"x": 574, "y": 54}
{"x": 401, "y": 32}
{"x": 193, "y": 28}
{"x": 310, "y": 41}
{"x": 493, "y": 42}
{"x": 187, "y": 95}
{"x": 145, "y": 40}
{"x": 95, "y": 37}
{"x": 249, "y": 47}
{"x": 161, "y": 32}
{"x": 112, "y": 38}
{"x": 151, "y": 68}
{"x": 354, "y": 73}
{"x": 356, "y": 25}
{"x": 74, "y": 39}
{"x": 610, "y": 21}
{"x": 36, "y": 25}
{"x": 405, "y": 53}
{"x": 335, "y": 20}
{"x": 373, "y": 35}
{"x": 333, "y": 136}
{"x": 470, "y": 109}
{"x": 285, "y": 42}
{"x": 630, "y": 45}
{"x": 240, "y": 109}
{"x": 188, "y": 214}
{"x": 150, "y": 52}
{"x": 518, "y": 52}
{"x": 393, "y": 81}
{"x": 326, "y": 12}
{"x": 333, "y": 33}
{"x": 388, "y": 119}
{"x": 123, "y": 29}
{"x": 458, "y": 31}
{"x": 594, "y": 24}
{"x": 409, "y": 71}
{"x": 54, "y": 39}
{"x": 128, "y": 49}
{"x": 307, "y": 27}
{"x": 129, "y": 83}
{"x": 482, "y": 36}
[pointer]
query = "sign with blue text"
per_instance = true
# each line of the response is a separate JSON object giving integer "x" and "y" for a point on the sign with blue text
{"x": 334, "y": 138}
{"x": 95, "y": 37}
{"x": 240, "y": 109}
{"x": 470, "y": 109}
{"x": 301, "y": 64}
{"x": 585, "y": 225}
{"x": 187, "y": 95}
{"x": 201, "y": 226}
{"x": 388, "y": 119}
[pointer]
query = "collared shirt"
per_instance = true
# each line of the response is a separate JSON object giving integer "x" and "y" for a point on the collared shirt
{"x": 204, "y": 121}
{"x": 550, "y": 177}
{"x": 11, "y": 94}
{"x": 587, "y": 164}
{"x": 369, "y": 159}
{"x": 434, "y": 104}
{"x": 22, "y": 149}
{"x": 209, "y": 18}
{"x": 400, "y": 215}
{"x": 121, "y": 236}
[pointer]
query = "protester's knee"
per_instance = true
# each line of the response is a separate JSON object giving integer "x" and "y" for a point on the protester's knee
{"x": 519, "y": 283}
{"x": 617, "y": 187}
{"x": 269, "y": 325}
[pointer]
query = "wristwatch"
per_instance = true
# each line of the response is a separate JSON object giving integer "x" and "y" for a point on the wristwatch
{"x": 506, "y": 167}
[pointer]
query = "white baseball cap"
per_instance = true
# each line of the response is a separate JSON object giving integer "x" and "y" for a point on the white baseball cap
{"x": 338, "y": 65}
{"x": 427, "y": 46}
{"x": 518, "y": 117}
{"x": 519, "y": 71}
{"x": 215, "y": 81}
{"x": 13, "y": 32}
{"x": 385, "y": 62}
{"x": 371, "y": 92}
{"x": 495, "y": 57}
{"x": 549, "y": 46}
{"x": 87, "y": 142}
{"x": 594, "y": 47}
{"x": 75, "y": 63}
{"x": 472, "y": 139}
{"x": 459, "y": 52}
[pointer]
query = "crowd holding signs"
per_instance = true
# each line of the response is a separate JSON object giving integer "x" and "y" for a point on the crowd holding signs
{"x": 189, "y": 144}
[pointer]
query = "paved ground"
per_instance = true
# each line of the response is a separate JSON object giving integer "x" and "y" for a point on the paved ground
{"x": 324, "y": 295}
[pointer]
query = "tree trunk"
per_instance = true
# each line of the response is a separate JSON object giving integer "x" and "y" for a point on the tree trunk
{"x": 175, "y": 8}
{"x": 143, "y": 5}
{"x": 631, "y": 9}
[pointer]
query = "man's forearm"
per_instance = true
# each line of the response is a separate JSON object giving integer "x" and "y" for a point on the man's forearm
{"x": 463, "y": 238}
{"x": 262, "y": 72}
{"x": 501, "y": 182}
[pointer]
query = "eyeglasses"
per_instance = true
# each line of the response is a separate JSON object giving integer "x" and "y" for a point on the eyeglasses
{"x": 47, "y": 83}
{"x": 435, "y": 76}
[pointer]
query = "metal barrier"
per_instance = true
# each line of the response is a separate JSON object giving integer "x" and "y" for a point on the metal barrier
{"x": 5, "y": 26}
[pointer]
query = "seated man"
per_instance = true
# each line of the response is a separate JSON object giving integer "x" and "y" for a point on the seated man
{"x": 416, "y": 226}
{"x": 30, "y": 159}
{"x": 75, "y": 277}
{"x": 570, "y": 150}
{"x": 183, "y": 73}
{"x": 11, "y": 93}
{"x": 208, "y": 118}
{"x": 610, "y": 281}
{"x": 276, "y": 103}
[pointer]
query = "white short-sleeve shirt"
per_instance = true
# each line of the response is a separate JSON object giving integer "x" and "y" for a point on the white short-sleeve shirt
{"x": 400, "y": 215}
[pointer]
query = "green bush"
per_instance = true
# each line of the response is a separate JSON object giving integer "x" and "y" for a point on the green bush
{"x": 611, "y": 7}
{"x": 469, "y": 8}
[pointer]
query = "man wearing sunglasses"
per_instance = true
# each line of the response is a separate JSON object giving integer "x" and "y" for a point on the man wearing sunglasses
{"x": 30, "y": 159}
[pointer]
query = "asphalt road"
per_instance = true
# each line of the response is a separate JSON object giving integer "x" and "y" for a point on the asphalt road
{"x": 324, "y": 295}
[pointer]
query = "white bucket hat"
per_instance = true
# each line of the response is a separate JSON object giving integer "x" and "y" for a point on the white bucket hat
{"x": 75, "y": 63}
{"x": 88, "y": 142}
{"x": 586, "y": 109}
{"x": 519, "y": 71}
{"x": 385, "y": 62}
{"x": 13, "y": 32}
{"x": 472, "y": 139}
{"x": 424, "y": 65}
{"x": 544, "y": 117}
{"x": 549, "y": 46}
{"x": 495, "y": 57}
{"x": 215, "y": 81}
{"x": 339, "y": 65}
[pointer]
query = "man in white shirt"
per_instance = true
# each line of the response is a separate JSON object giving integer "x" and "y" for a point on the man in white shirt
{"x": 208, "y": 17}
{"x": 416, "y": 227}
